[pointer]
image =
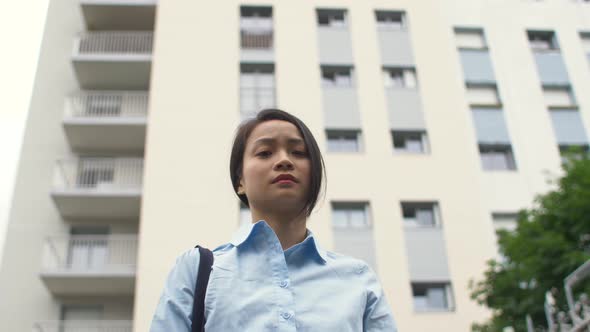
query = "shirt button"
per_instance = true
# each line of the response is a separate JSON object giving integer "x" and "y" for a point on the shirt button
{"x": 284, "y": 283}
{"x": 286, "y": 315}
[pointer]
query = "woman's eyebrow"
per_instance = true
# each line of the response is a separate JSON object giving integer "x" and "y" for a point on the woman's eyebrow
{"x": 270, "y": 140}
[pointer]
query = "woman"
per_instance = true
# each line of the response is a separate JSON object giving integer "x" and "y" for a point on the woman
{"x": 273, "y": 275}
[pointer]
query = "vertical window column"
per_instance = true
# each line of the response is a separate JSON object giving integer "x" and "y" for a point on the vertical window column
{"x": 427, "y": 258}
{"x": 340, "y": 105}
{"x": 404, "y": 105}
{"x": 557, "y": 91}
{"x": 495, "y": 148}
{"x": 353, "y": 231}
{"x": 257, "y": 88}
{"x": 256, "y": 34}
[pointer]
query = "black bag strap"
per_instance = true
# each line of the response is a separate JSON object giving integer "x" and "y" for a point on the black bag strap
{"x": 205, "y": 264}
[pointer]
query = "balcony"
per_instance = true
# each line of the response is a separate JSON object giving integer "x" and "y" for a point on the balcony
{"x": 90, "y": 264}
{"x": 119, "y": 14}
{"x": 98, "y": 188}
{"x": 84, "y": 326}
{"x": 112, "y": 121}
{"x": 256, "y": 46}
{"x": 113, "y": 60}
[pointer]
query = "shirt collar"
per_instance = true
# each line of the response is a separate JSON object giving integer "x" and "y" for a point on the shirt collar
{"x": 249, "y": 230}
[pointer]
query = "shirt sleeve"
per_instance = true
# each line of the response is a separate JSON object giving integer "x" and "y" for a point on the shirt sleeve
{"x": 378, "y": 316}
{"x": 174, "y": 310}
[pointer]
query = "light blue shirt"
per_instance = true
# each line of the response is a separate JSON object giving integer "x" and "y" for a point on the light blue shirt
{"x": 256, "y": 286}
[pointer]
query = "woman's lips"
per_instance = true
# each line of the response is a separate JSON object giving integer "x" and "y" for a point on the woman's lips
{"x": 285, "y": 182}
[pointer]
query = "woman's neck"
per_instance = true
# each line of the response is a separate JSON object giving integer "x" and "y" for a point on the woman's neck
{"x": 289, "y": 228}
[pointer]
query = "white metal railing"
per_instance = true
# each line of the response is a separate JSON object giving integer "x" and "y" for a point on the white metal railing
{"x": 85, "y": 253}
{"x": 256, "y": 40}
{"x": 115, "y": 42}
{"x": 99, "y": 174}
{"x": 107, "y": 104}
{"x": 84, "y": 326}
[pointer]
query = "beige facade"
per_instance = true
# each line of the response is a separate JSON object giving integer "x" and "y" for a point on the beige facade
{"x": 77, "y": 178}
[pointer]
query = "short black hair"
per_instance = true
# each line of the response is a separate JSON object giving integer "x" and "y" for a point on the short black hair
{"x": 317, "y": 166}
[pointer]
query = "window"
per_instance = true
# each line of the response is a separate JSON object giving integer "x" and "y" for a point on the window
{"x": 432, "y": 296}
{"x": 410, "y": 141}
{"x": 256, "y": 27}
{"x": 420, "y": 214}
{"x": 558, "y": 96}
{"x": 390, "y": 20}
{"x": 496, "y": 157}
{"x": 333, "y": 76}
{"x": 503, "y": 220}
{"x": 81, "y": 312}
{"x": 255, "y": 18}
{"x": 572, "y": 151}
{"x": 331, "y": 18}
{"x": 245, "y": 215}
{"x": 88, "y": 247}
{"x": 586, "y": 41}
{"x": 350, "y": 215}
{"x": 542, "y": 40}
{"x": 343, "y": 140}
{"x": 257, "y": 88}
{"x": 399, "y": 77}
{"x": 470, "y": 38}
{"x": 483, "y": 95}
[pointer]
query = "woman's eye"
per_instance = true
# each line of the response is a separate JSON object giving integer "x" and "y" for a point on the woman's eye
{"x": 263, "y": 153}
{"x": 301, "y": 153}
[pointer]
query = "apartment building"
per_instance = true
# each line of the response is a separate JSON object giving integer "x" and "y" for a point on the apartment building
{"x": 438, "y": 121}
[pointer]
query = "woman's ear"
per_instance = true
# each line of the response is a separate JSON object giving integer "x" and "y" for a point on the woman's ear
{"x": 241, "y": 190}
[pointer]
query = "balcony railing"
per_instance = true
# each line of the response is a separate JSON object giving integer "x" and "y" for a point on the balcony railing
{"x": 107, "y": 104}
{"x": 91, "y": 253}
{"x": 257, "y": 40}
{"x": 99, "y": 174}
{"x": 114, "y": 42}
{"x": 84, "y": 326}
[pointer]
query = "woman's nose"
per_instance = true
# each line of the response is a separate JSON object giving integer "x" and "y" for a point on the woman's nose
{"x": 284, "y": 161}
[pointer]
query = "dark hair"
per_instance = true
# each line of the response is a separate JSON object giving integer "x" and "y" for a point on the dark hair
{"x": 318, "y": 171}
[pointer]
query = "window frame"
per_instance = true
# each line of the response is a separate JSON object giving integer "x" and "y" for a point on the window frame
{"x": 465, "y": 30}
{"x": 444, "y": 285}
{"x": 471, "y": 86}
{"x": 406, "y": 74}
{"x": 337, "y": 71}
{"x": 534, "y": 38}
{"x": 348, "y": 207}
{"x": 423, "y": 141}
{"x": 423, "y": 205}
{"x": 383, "y": 26}
{"x": 330, "y": 14}
{"x": 342, "y": 133}
{"x": 507, "y": 148}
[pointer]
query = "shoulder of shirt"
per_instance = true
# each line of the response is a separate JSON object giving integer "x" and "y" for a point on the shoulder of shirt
{"x": 343, "y": 264}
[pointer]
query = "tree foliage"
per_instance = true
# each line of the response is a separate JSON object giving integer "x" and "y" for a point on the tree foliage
{"x": 551, "y": 240}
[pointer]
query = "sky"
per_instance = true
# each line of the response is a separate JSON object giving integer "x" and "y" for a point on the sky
{"x": 21, "y": 28}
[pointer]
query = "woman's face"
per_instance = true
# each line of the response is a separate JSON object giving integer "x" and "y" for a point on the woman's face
{"x": 274, "y": 148}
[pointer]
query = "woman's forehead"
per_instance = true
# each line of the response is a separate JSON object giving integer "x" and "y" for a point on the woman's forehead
{"x": 275, "y": 129}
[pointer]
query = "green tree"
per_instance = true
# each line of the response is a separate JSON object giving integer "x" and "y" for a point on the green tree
{"x": 551, "y": 240}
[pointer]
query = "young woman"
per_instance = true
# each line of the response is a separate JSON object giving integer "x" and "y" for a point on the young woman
{"x": 273, "y": 275}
